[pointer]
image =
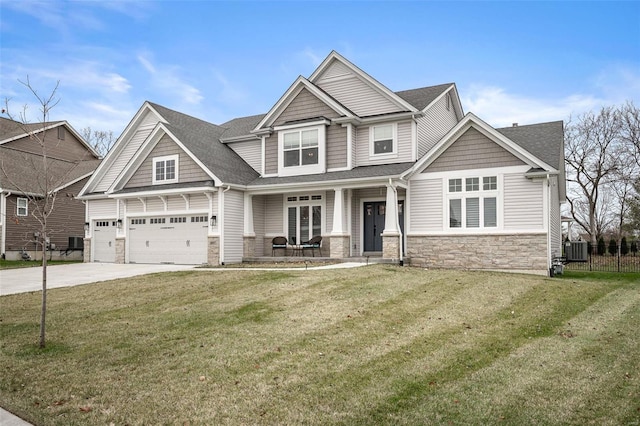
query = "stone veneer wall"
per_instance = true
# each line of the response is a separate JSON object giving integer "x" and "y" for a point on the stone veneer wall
{"x": 499, "y": 252}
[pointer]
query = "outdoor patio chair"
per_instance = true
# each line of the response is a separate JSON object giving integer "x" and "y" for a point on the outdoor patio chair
{"x": 279, "y": 243}
{"x": 313, "y": 244}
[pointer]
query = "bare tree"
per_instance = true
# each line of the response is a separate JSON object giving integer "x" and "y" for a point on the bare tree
{"x": 100, "y": 140}
{"x": 630, "y": 130}
{"x": 592, "y": 157}
{"x": 42, "y": 200}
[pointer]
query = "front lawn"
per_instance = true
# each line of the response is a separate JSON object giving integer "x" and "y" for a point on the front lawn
{"x": 373, "y": 345}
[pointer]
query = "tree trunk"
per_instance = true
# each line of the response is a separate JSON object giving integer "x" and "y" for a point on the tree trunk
{"x": 43, "y": 310}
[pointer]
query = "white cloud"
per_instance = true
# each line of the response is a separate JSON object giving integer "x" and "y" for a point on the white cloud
{"x": 168, "y": 79}
{"x": 500, "y": 108}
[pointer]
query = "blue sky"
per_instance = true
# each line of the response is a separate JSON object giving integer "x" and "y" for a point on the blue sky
{"x": 522, "y": 62}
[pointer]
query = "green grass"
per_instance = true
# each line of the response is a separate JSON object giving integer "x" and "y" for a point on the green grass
{"x": 374, "y": 345}
{"x": 12, "y": 264}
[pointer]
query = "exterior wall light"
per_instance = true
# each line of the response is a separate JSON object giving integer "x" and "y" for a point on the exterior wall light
{"x": 214, "y": 221}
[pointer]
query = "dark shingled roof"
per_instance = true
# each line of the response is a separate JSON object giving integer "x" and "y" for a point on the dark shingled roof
{"x": 241, "y": 126}
{"x": 544, "y": 140}
{"x": 202, "y": 139}
{"x": 421, "y": 98}
{"x": 382, "y": 171}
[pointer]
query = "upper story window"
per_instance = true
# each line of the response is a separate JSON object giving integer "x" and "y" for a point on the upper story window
{"x": 22, "y": 207}
{"x": 473, "y": 202}
{"x": 61, "y": 133}
{"x": 301, "y": 148}
{"x": 383, "y": 140}
{"x": 165, "y": 169}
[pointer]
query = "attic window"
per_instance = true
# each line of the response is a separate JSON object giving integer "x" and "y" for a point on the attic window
{"x": 61, "y": 133}
{"x": 165, "y": 169}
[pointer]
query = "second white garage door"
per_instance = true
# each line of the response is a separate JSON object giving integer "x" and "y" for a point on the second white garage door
{"x": 175, "y": 239}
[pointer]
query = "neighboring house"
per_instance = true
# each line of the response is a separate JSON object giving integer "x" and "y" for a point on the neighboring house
{"x": 23, "y": 180}
{"x": 399, "y": 175}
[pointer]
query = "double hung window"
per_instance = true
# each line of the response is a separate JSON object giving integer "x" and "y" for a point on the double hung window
{"x": 383, "y": 139}
{"x": 300, "y": 148}
{"x": 22, "y": 207}
{"x": 473, "y": 202}
{"x": 165, "y": 169}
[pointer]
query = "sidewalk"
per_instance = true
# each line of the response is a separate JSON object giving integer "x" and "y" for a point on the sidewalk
{"x": 8, "y": 419}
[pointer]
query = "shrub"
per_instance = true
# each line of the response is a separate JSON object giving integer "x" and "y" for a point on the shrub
{"x": 602, "y": 248}
{"x": 624, "y": 247}
{"x": 634, "y": 247}
{"x": 613, "y": 247}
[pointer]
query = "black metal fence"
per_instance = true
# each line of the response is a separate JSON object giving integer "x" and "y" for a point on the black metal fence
{"x": 608, "y": 263}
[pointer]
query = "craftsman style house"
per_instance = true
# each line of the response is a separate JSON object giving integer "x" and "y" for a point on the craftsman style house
{"x": 404, "y": 176}
{"x": 69, "y": 162}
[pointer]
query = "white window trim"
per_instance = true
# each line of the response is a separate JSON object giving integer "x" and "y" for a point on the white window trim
{"x": 481, "y": 194}
{"x": 25, "y": 207}
{"x": 165, "y": 158}
{"x": 394, "y": 151}
{"x": 307, "y": 169}
{"x": 310, "y": 203}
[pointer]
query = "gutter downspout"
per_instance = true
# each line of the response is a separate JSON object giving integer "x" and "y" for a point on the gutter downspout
{"x": 221, "y": 222}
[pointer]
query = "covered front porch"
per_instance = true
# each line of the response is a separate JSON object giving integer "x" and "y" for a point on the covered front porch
{"x": 357, "y": 222}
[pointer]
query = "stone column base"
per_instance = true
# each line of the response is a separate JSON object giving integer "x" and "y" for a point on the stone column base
{"x": 213, "y": 251}
{"x": 249, "y": 246}
{"x": 120, "y": 247}
{"x": 87, "y": 250}
{"x": 391, "y": 246}
{"x": 339, "y": 246}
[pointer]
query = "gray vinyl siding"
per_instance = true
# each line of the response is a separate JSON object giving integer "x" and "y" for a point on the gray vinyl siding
{"x": 188, "y": 170}
{"x": 233, "y": 226}
{"x": 305, "y": 105}
{"x": 523, "y": 203}
{"x": 425, "y": 205}
{"x": 436, "y": 122}
{"x": 123, "y": 157}
{"x": 249, "y": 151}
{"x": 336, "y": 146}
{"x": 201, "y": 202}
{"x": 134, "y": 205}
{"x": 473, "y": 150}
{"x": 404, "y": 149}
{"x": 273, "y": 214}
{"x": 271, "y": 154}
{"x": 258, "y": 224}
{"x": 353, "y": 92}
{"x": 154, "y": 204}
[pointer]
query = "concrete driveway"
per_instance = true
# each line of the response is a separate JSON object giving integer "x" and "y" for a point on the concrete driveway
{"x": 23, "y": 280}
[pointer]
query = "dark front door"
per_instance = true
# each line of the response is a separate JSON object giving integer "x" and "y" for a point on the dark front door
{"x": 374, "y": 213}
{"x": 374, "y": 216}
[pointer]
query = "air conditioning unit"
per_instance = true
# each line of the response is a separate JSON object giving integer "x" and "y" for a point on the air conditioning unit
{"x": 76, "y": 243}
{"x": 576, "y": 251}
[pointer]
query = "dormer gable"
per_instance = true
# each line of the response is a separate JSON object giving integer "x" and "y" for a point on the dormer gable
{"x": 355, "y": 89}
{"x": 301, "y": 84}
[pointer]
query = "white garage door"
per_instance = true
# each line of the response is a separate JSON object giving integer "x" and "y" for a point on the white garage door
{"x": 175, "y": 239}
{"x": 104, "y": 241}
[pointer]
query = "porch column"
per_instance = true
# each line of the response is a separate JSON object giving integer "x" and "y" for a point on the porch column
{"x": 249, "y": 237}
{"x": 339, "y": 242}
{"x": 391, "y": 233}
